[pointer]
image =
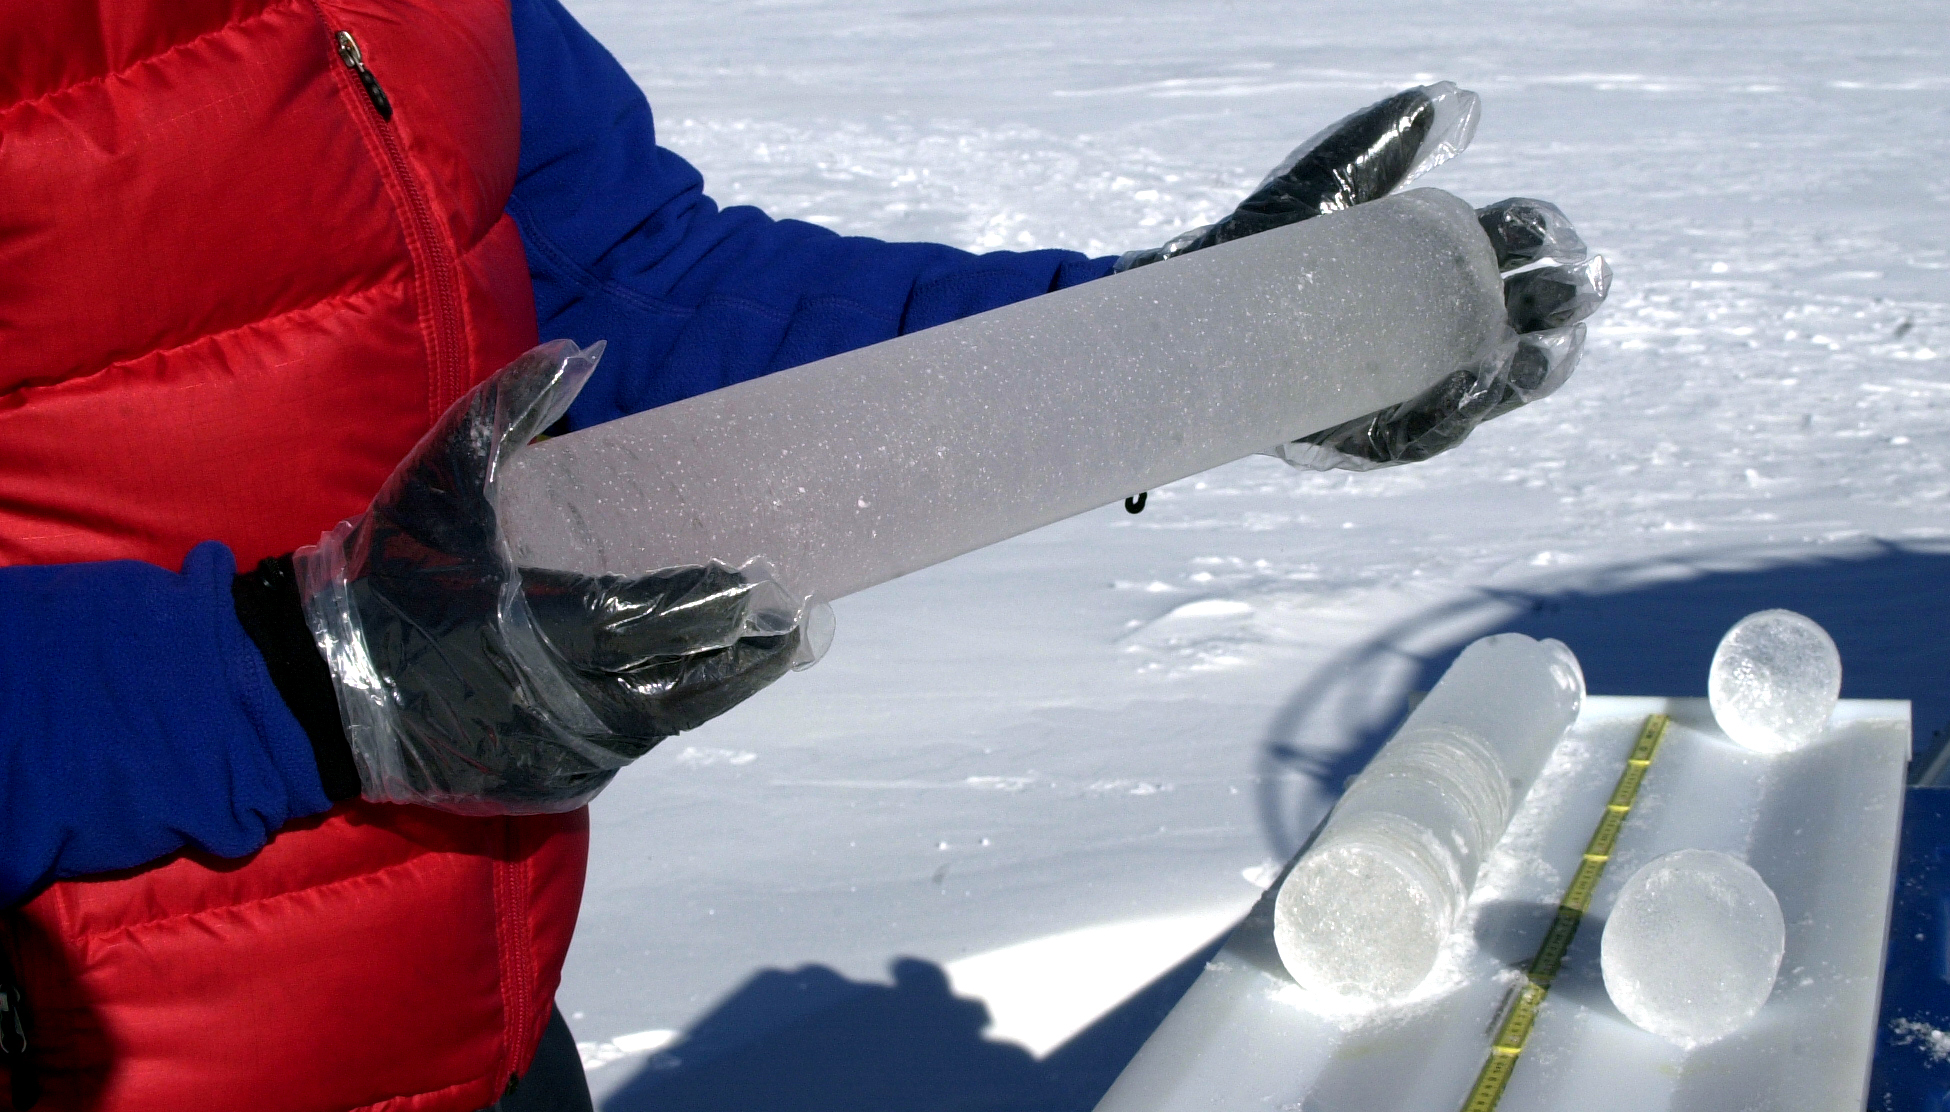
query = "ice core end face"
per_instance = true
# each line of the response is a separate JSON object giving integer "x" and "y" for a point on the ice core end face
{"x": 1692, "y": 946}
{"x": 1775, "y": 680}
{"x": 1359, "y": 925}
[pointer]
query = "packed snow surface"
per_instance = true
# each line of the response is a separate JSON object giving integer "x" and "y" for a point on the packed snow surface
{"x": 1934, "y": 1041}
{"x": 1692, "y": 946}
{"x": 1112, "y": 720}
{"x": 1774, "y": 681}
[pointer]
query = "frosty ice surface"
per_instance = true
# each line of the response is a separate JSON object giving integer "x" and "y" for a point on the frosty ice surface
{"x": 852, "y": 470}
{"x": 1362, "y": 915}
{"x": 1774, "y": 681}
{"x": 1692, "y": 946}
{"x": 1361, "y": 919}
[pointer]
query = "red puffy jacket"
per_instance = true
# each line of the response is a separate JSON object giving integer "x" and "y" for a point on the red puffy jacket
{"x": 233, "y": 294}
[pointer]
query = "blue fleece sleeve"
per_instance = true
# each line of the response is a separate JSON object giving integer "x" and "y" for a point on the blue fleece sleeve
{"x": 624, "y": 246}
{"x": 137, "y": 717}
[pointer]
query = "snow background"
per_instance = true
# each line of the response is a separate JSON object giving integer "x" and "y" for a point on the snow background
{"x": 1027, "y": 784}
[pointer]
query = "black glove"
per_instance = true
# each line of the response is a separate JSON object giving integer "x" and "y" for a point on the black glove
{"x": 1545, "y": 303}
{"x": 1362, "y": 158}
{"x": 475, "y": 686}
{"x": 1365, "y": 157}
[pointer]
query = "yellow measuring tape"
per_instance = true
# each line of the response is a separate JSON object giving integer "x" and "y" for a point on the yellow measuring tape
{"x": 1515, "y": 1029}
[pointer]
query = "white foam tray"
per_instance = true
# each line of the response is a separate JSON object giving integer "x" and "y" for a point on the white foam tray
{"x": 1821, "y": 826}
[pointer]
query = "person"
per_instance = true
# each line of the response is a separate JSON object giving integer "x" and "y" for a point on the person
{"x": 311, "y": 836}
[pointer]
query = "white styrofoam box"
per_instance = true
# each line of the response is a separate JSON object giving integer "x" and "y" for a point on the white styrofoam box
{"x": 1820, "y": 826}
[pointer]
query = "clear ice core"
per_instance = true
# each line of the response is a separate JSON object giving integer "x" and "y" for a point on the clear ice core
{"x": 1361, "y": 922}
{"x": 1361, "y": 918}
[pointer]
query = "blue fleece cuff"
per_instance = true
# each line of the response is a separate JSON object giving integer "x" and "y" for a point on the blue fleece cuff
{"x": 624, "y": 245}
{"x": 136, "y": 718}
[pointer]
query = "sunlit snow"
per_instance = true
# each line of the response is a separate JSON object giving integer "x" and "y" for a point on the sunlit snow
{"x": 1011, "y": 768}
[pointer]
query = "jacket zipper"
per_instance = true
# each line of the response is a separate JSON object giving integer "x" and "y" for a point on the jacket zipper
{"x": 516, "y": 910}
{"x": 15, "y": 1051}
{"x": 356, "y": 62}
{"x": 448, "y": 341}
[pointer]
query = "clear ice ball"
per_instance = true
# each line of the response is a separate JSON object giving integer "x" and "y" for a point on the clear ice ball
{"x": 1692, "y": 946}
{"x": 1775, "y": 679}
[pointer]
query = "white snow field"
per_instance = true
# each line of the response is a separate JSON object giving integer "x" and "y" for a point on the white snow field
{"x": 1025, "y": 784}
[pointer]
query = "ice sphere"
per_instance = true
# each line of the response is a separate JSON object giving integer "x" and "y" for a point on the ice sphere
{"x": 1774, "y": 681}
{"x": 1361, "y": 916}
{"x": 852, "y": 470}
{"x": 1692, "y": 946}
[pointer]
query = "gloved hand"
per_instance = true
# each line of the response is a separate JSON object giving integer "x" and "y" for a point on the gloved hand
{"x": 476, "y": 686}
{"x": 1545, "y": 304}
{"x": 1365, "y": 157}
{"x": 1362, "y": 158}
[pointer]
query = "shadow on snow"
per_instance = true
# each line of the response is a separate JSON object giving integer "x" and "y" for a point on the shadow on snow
{"x": 810, "y": 1040}
{"x": 1641, "y": 630}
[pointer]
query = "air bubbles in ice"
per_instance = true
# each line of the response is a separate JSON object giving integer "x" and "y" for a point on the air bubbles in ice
{"x": 1363, "y": 914}
{"x": 1692, "y": 946}
{"x": 1774, "y": 681}
{"x": 1360, "y": 922}
{"x": 1361, "y": 918}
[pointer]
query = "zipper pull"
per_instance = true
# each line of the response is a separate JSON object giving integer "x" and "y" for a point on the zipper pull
{"x": 356, "y": 62}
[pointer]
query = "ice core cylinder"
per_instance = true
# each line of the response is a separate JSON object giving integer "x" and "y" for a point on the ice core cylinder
{"x": 1361, "y": 916}
{"x": 856, "y": 469}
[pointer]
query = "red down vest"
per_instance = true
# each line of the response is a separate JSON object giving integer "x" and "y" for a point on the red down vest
{"x": 232, "y": 296}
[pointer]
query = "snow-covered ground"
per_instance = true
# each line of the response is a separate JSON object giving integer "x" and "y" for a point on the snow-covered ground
{"x": 1042, "y": 775}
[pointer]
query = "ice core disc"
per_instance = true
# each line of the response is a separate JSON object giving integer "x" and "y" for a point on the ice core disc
{"x": 1358, "y": 924}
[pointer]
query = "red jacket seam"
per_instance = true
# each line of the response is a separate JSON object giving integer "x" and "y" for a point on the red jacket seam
{"x": 505, "y": 946}
{"x": 384, "y": 1103}
{"x": 132, "y": 928}
{"x": 404, "y": 178}
{"x": 524, "y": 974}
{"x": 26, "y": 386}
{"x": 102, "y": 78}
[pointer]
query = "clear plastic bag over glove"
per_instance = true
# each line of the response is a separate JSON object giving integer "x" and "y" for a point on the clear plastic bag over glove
{"x": 473, "y": 685}
{"x": 1551, "y": 282}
